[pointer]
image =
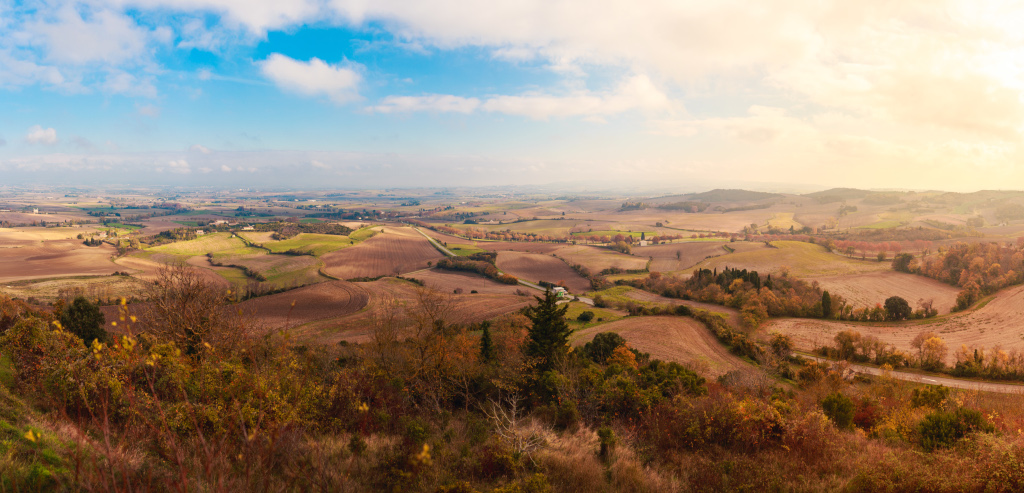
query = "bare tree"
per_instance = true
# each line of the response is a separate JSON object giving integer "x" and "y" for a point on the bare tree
{"x": 191, "y": 312}
{"x": 505, "y": 415}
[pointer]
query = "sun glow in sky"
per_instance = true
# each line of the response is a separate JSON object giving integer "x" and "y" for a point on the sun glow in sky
{"x": 358, "y": 93}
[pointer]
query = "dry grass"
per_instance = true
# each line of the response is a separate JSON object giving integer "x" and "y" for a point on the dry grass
{"x": 680, "y": 339}
{"x": 802, "y": 260}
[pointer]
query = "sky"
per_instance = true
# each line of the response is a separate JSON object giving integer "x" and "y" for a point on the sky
{"x": 387, "y": 93}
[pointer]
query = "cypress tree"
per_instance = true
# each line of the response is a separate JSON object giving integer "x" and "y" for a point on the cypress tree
{"x": 549, "y": 335}
{"x": 486, "y": 345}
{"x": 826, "y": 305}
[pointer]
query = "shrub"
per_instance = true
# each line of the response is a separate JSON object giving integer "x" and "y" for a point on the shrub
{"x": 602, "y": 346}
{"x": 839, "y": 409}
{"x": 941, "y": 429}
{"x": 585, "y": 316}
{"x": 931, "y": 396}
{"x": 85, "y": 320}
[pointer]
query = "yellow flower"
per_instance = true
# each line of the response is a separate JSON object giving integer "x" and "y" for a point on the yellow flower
{"x": 30, "y": 436}
{"x": 363, "y": 407}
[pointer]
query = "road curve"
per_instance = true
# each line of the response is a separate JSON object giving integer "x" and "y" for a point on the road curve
{"x": 956, "y": 383}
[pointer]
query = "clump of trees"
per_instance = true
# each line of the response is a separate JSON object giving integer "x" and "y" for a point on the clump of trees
{"x": 978, "y": 269}
{"x": 482, "y": 263}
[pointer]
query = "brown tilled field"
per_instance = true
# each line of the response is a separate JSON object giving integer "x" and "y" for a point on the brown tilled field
{"x": 535, "y": 267}
{"x": 158, "y": 225}
{"x": 861, "y": 290}
{"x": 358, "y": 327}
{"x": 55, "y": 258}
{"x": 397, "y": 249}
{"x": 680, "y": 339}
{"x": 447, "y": 281}
{"x": 995, "y": 324}
{"x": 597, "y": 259}
{"x": 307, "y": 304}
{"x": 679, "y": 256}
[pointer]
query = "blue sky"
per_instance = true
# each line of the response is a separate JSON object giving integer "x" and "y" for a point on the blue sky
{"x": 351, "y": 93}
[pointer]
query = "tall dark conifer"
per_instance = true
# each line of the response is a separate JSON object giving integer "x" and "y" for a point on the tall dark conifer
{"x": 549, "y": 335}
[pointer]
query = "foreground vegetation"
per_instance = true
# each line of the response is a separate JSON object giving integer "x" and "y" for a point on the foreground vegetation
{"x": 202, "y": 401}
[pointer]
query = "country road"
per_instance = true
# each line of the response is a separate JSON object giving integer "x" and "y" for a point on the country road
{"x": 956, "y": 383}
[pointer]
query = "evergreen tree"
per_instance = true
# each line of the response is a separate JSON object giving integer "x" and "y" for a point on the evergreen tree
{"x": 486, "y": 345}
{"x": 826, "y": 304}
{"x": 549, "y": 335}
{"x": 85, "y": 320}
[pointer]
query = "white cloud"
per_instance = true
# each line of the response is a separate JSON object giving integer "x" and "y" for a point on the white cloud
{"x": 105, "y": 36}
{"x": 179, "y": 166}
{"x": 256, "y": 16}
{"x": 442, "y": 103}
{"x": 200, "y": 149}
{"x": 317, "y": 164}
{"x": 39, "y": 135}
{"x": 313, "y": 78}
{"x": 225, "y": 168}
{"x": 121, "y": 82}
{"x": 633, "y": 93}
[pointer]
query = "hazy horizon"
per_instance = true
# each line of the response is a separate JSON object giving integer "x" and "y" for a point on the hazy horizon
{"x": 665, "y": 95}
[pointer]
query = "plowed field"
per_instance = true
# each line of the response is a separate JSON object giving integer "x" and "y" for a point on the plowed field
{"x": 398, "y": 250}
{"x": 597, "y": 259}
{"x": 535, "y": 267}
{"x": 680, "y": 339}
{"x": 307, "y": 304}
{"x": 868, "y": 289}
{"x": 358, "y": 327}
{"x": 997, "y": 323}
{"x": 55, "y": 258}
{"x": 680, "y": 256}
{"x": 447, "y": 281}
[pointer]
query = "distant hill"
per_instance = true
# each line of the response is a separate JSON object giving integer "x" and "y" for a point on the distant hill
{"x": 837, "y": 195}
{"x": 732, "y": 195}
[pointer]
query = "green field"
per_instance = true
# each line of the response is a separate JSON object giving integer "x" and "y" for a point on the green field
{"x": 576, "y": 308}
{"x": 363, "y": 234}
{"x": 310, "y": 243}
{"x": 541, "y": 226}
{"x": 464, "y": 250}
{"x": 802, "y": 260}
{"x": 211, "y": 243}
{"x": 129, "y": 227}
